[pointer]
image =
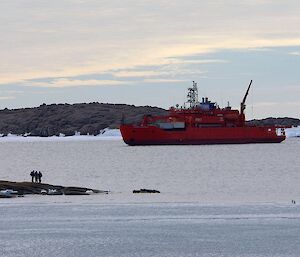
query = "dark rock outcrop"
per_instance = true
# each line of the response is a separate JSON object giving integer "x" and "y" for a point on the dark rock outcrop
{"x": 144, "y": 191}
{"x": 23, "y": 188}
{"x": 286, "y": 122}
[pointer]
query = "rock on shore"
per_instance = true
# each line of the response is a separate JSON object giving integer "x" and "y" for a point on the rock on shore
{"x": 23, "y": 188}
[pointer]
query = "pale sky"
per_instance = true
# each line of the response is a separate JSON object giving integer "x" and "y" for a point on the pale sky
{"x": 148, "y": 52}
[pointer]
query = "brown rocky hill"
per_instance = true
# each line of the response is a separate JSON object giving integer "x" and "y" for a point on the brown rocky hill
{"x": 49, "y": 120}
{"x": 287, "y": 122}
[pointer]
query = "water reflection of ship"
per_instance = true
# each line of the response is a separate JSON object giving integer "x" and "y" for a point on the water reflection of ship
{"x": 200, "y": 123}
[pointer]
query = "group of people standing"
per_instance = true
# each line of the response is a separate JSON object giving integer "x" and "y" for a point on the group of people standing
{"x": 36, "y": 176}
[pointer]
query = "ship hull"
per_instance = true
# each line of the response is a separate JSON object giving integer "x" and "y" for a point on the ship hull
{"x": 151, "y": 135}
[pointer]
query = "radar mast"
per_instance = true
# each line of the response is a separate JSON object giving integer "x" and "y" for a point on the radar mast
{"x": 192, "y": 96}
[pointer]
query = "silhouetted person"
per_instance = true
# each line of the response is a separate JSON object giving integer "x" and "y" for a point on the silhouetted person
{"x": 36, "y": 177}
{"x": 40, "y": 176}
{"x": 32, "y": 176}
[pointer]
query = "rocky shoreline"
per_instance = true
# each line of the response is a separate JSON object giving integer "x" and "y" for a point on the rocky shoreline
{"x": 10, "y": 189}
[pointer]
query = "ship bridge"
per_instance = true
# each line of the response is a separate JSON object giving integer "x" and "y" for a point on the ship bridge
{"x": 207, "y": 105}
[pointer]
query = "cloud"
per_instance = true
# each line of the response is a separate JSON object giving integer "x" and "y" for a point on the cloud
{"x": 7, "y": 97}
{"x": 67, "y": 82}
{"x": 294, "y": 53}
{"x": 164, "y": 80}
{"x": 139, "y": 73}
{"x": 73, "y": 44}
{"x": 266, "y": 104}
{"x": 173, "y": 67}
{"x": 71, "y": 38}
{"x": 294, "y": 104}
{"x": 184, "y": 61}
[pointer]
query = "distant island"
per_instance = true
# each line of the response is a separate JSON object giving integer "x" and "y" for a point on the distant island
{"x": 53, "y": 119}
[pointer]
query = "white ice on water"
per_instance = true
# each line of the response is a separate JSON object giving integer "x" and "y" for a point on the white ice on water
{"x": 105, "y": 134}
{"x": 293, "y": 132}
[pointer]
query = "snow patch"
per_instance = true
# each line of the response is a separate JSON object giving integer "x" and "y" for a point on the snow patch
{"x": 110, "y": 133}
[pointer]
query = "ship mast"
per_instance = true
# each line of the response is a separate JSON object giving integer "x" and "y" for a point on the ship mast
{"x": 192, "y": 96}
{"x": 243, "y": 105}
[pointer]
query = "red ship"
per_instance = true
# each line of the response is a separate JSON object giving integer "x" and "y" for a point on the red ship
{"x": 200, "y": 123}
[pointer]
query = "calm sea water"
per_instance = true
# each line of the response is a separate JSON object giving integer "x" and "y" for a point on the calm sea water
{"x": 205, "y": 174}
{"x": 222, "y": 200}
